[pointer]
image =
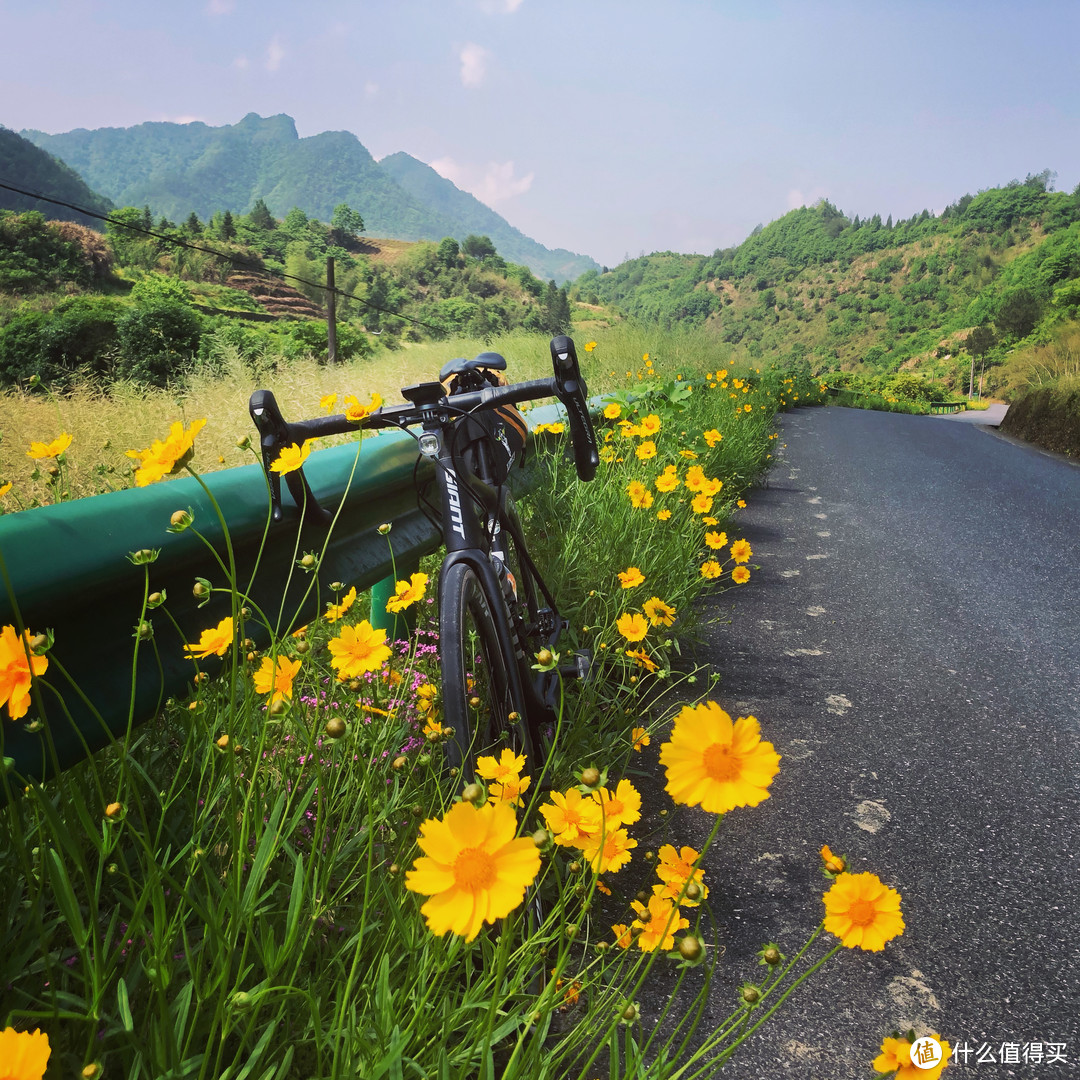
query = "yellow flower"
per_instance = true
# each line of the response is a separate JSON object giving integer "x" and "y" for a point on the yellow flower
{"x": 571, "y": 817}
{"x": 621, "y": 808}
{"x": 632, "y": 627}
{"x": 740, "y": 575}
{"x": 695, "y": 478}
{"x": 589, "y": 346}
{"x": 5, "y": 489}
{"x": 748, "y": 407}
{"x": 213, "y": 642}
{"x": 627, "y": 429}
{"x": 23, "y": 1054}
{"x": 407, "y": 593}
{"x": 741, "y": 504}
{"x": 292, "y": 457}
{"x": 510, "y": 790}
{"x": 39, "y": 451}
{"x": 607, "y": 455}
{"x": 710, "y": 521}
{"x": 358, "y": 649}
{"x": 649, "y": 425}
{"x": 663, "y": 515}
{"x": 16, "y": 671}
{"x": 327, "y": 402}
{"x": 895, "y": 1057}
{"x": 356, "y": 412}
{"x": 431, "y": 727}
{"x": 740, "y": 551}
{"x": 474, "y": 869}
{"x": 711, "y": 437}
{"x": 608, "y": 851}
{"x": 642, "y": 659}
{"x": 508, "y": 766}
{"x": 659, "y": 613}
{"x": 164, "y": 458}
{"x": 716, "y": 540}
{"x": 862, "y": 912}
{"x": 715, "y": 763}
{"x": 687, "y": 453}
{"x": 623, "y": 937}
{"x": 646, "y": 450}
{"x": 630, "y": 577}
{"x": 711, "y": 487}
{"x": 613, "y": 410}
{"x": 640, "y": 496}
{"x": 834, "y": 864}
{"x": 710, "y": 569}
{"x": 701, "y": 504}
{"x": 557, "y": 428}
{"x": 675, "y": 869}
{"x": 276, "y": 677}
{"x": 645, "y": 358}
{"x": 667, "y": 481}
{"x": 658, "y": 922}
{"x": 641, "y": 738}
{"x": 336, "y": 611}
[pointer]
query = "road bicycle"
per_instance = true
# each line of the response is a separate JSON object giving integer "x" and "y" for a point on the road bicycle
{"x": 496, "y": 613}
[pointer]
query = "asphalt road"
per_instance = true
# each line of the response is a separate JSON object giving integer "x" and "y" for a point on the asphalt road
{"x": 911, "y": 645}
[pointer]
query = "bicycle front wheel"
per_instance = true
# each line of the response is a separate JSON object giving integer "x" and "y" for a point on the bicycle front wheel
{"x": 479, "y": 701}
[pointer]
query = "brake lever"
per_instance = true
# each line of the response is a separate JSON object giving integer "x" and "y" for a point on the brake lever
{"x": 274, "y": 437}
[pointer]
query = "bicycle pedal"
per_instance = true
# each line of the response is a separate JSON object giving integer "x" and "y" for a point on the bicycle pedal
{"x": 580, "y": 666}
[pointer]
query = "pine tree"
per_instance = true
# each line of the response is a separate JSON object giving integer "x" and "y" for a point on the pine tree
{"x": 228, "y": 226}
{"x": 193, "y": 226}
{"x": 261, "y": 217}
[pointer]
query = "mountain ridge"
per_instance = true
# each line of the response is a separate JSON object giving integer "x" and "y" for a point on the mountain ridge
{"x": 182, "y": 168}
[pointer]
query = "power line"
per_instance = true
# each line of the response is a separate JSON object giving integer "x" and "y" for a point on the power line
{"x": 237, "y": 261}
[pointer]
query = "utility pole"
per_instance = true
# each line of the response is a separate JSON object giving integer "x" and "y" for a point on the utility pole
{"x": 331, "y": 312}
{"x": 971, "y": 383}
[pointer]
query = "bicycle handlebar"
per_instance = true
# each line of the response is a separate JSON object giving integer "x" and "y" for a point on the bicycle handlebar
{"x": 567, "y": 385}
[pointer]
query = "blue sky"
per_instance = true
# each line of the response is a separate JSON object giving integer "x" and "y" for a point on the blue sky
{"x": 610, "y": 127}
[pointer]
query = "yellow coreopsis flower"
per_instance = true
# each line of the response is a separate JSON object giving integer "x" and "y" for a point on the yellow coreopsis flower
{"x": 711, "y": 486}
{"x": 356, "y": 412}
{"x": 17, "y": 671}
{"x": 896, "y": 1058}
{"x": 740, "y": 575}
{"x": 623, "y": 937}
{"x": 41, "y": 451}
{"x": 649, "y": 425}
{"x": 715, "y": 763}
{"x": 659, "y": 613}
{"x": 164, "y": 458}
{"x": 613, "y": 410}
{"x": 407, "y": 593}
{"x": 510, "y": 791}
{"x": 710, "y": 569}
{"x": 645, "y": 450}
{"x": 275, "y": 677}
{"x": 716, "y": 540}
{"x": 748, "y": 407}
{"x": 292, "y": 457}
{"x": 632, "y": 627}
{"x": 358, "y": 649}
{"x": 336, "y": 611}
{"x": 474, "y": 868}
{"x": 658, "y": 922}
{"x": 675, "y": 869}
{"x": 630, "y": 577}
{"x": 213, "y": 642}
{"x": 863, "y": 912}
{"x": 571, "y": 817}
{"x": 640, "y": 496}
{"x": 608, "y": 851}
{"x": 327, "y": 402}
{"x": 5, "y": 488}
{"x": 711, "y": 437}
{"x": 701, "y": 503}
{"x": 740, "y": 551}
{"x": 663, "y": 515}
{"x": 623, "y": 807}
{"x": 507, "y": 767}
{"x": 695, "y": 478}
{"x": 24, "y": 1055}
{"x": 640, "y": 738}
{"x": 589, "y": 346}
{"x": 667, "y": 481}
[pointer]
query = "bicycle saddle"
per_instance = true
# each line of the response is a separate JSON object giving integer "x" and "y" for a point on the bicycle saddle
{"x": 489, "y": 360}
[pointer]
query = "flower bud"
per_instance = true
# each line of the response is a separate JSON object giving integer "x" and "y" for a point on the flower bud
{"x": 393, "y": 868}
{"x": 145, "y": 631}
{"x": 474, "y": 794}
{"x": 91, "y": 1071}
{"x": 541, "y": 838}
{"x": 750, "y": 994}
{"x": 114, "y": 810}
{"x": 223, "y": 742}
{"x": 590, "y": 777}
{"x": 39, "y": 643}
{"x": 337, "y": 586}
{"x": 574, "y": 868}
{"x": 278, "y": 707}
{"x": 199, "y": 589}
{"x": 474, "y": 702}
{"x": 155, "y": 599}
{"x": 399, "y": 763}
{"x": 631, "y": 1013}
{"x": 690, "y": 947}
{"x": 335, "y": 727}
{"x": 308, "y": 561}
{"x": 771, "y": 956}
{"x": 571, "y": 930}
{"x": 180, "y": 520}
{"x": 384, "y": 528}
{"x": 243, "y": 443}
{"x": 241, "y": 1001}
{"x": 693, "y": 891}
{"x": 543, "y": 656}
{"x": 354, "y": 686}
{"x": 302, "y": 647}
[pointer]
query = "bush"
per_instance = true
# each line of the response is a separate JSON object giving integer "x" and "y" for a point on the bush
{"x": 158, "y": 341}
{"x": 34, "y": 257}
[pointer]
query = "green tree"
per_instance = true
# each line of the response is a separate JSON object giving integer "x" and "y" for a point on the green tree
{"x": 448, "y": 252}
{"x": 193, "y": 226}
{"x": 345, "y": 224}
{"x": 227, "y": 230}
{"x": 1018, "y": 313}
{"x": 980, "y": 341}
{"x": 261, "y": 217}
{"x": 477, "y": 247}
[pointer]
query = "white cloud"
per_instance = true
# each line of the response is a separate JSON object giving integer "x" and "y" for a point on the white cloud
{"x": 241, "y": 62}
{"x": 275, "y": 53}
{"x": 220, "y": 7}
{"x": 491, "y": 184}
{"x": 796, "y": 198}
{"x": 474, "y": 60}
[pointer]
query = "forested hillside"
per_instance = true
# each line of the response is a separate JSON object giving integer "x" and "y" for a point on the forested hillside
{"x": 28, "y": 166}
{"x": 992, "y": 275}
{"x": 179, "y": 169}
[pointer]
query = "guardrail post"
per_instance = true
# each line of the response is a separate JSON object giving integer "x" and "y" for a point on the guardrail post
{"x": 398, "y": 625}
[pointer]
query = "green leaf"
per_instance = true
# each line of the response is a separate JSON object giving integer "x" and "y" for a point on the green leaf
{"x": 65, "y": 897}
{"x": 124, "y": 1005}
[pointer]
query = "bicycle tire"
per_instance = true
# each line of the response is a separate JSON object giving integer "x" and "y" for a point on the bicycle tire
{"x": 479, "y": 700}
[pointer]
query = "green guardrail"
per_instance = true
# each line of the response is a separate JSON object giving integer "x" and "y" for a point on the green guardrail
{"x": 66, "y": 568}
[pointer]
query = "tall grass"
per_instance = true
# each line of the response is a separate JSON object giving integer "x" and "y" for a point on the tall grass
{"x": 224, "y": 894}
